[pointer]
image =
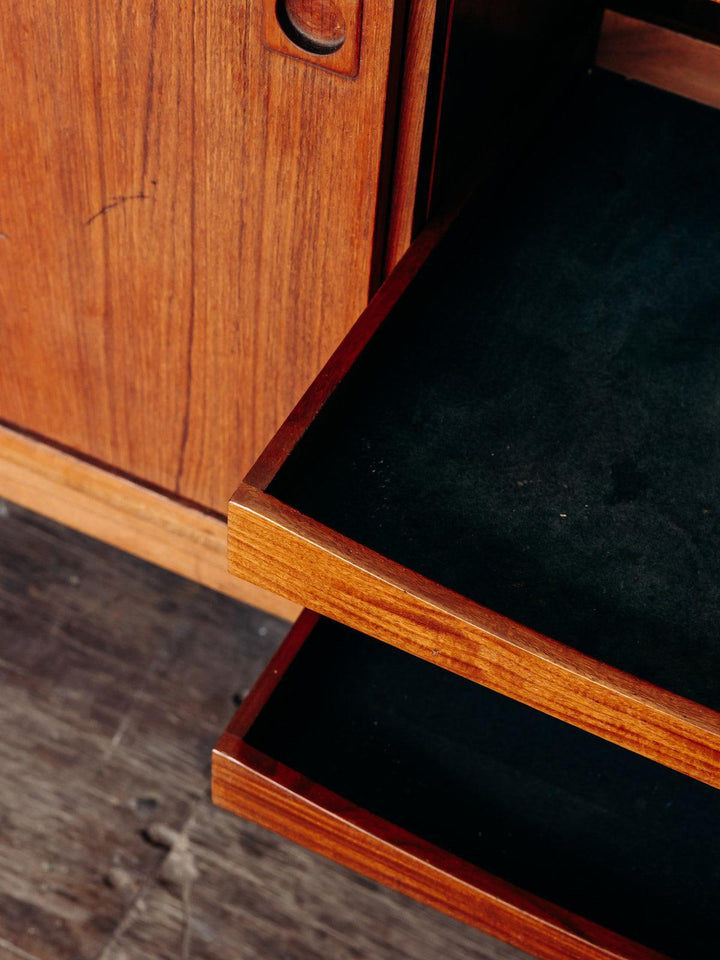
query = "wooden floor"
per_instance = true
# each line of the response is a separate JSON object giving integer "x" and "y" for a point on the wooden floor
{"x": 116, "y": 678}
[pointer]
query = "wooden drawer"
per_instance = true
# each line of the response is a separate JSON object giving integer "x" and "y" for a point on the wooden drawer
{"x": 557, "y": 841}
{"x": 509, "y": 468}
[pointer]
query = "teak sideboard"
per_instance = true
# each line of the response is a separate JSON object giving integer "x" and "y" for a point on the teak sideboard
{"x": 497, "y": 494}
{"x": 193, "y": 212}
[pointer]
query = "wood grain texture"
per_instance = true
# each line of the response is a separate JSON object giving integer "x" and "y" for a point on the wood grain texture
{"x": 419, "y": 42}
{"x": 279, "y": 549}
{"x": 187, "y": 228}
{"x": 660, "y": 57}
{"x": 97, "y": 743}
{"x": 254, "y": 785}
{"x": 134, "y": 518}
{"x": 695, "y": 18}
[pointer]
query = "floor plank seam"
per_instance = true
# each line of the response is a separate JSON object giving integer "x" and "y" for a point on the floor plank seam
{"x": 17, "y": 951}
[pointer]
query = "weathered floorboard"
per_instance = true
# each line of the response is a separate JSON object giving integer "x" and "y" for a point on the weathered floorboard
{"x": 115, "y": 679}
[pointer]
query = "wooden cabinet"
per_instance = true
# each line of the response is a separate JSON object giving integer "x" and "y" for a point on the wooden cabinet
{"x": 508, "y": 470}
{"x": 193, "y": 212}
{"x": 189, "y": 227}
{"x": 190, "y": 221}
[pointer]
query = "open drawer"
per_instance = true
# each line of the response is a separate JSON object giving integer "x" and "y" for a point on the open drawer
{"x": 510, "y": 467}
{"x": 563, "y": 844}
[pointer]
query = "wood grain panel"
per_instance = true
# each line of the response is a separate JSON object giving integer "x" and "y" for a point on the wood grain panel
{"x": 255, "y": 786}
{"x": 419, "y": 41}
{"x": 186, "y": 228}
{"x": 142, "y": 521}
{"x": 696, "y": 18}
{"x": 658, "y": 56}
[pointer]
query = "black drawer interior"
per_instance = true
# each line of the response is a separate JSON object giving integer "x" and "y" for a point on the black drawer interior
{"x": 537, "y": 424}
{"x": 581, "y": 822}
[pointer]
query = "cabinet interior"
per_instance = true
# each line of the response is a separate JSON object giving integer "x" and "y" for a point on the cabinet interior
{"x": 536, "y": 425}
{"x": 564, "y": 815}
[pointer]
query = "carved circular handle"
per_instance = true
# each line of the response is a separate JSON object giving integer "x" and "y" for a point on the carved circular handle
{"x": 316, "y": 26}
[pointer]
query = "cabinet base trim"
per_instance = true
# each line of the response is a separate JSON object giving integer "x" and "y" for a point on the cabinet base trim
{"x": 125, "y": 514}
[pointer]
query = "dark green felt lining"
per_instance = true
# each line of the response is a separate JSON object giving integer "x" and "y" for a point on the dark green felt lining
{"x": 587, "y": 825}
{"x": 537, "y": 425}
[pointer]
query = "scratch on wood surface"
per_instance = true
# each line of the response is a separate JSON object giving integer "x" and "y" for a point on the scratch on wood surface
{"x": 4, "y": 236}
{"x": 119, "y": 733}
{"x": 117, "y": 202}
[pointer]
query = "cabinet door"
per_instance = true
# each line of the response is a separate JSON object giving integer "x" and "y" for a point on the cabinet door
{"x": 187, "y": 224}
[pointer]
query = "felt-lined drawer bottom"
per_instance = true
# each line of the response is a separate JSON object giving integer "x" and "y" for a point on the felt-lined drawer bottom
{"x": 509, "y": 467}
{"x": 541, "y": 834}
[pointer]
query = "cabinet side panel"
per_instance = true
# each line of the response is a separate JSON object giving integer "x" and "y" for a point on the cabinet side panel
{"x": 186, "y": 228}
